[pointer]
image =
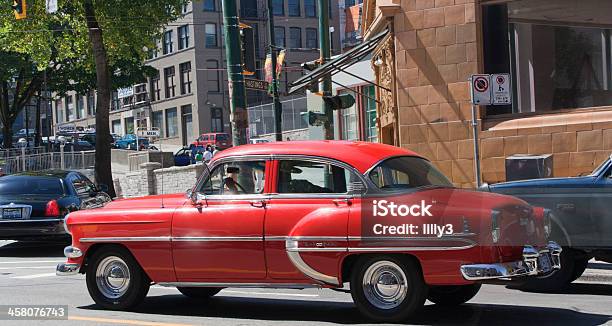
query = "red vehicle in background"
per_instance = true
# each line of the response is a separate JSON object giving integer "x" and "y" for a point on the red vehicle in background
{"x": 220, "y": 140}
{"x": 313, "y": 214}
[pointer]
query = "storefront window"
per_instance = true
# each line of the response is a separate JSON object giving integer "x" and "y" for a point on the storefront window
{"x": 369, "y": 103}
{"x": 557, "y": 61}
{"x": 348, "y": 122}
{"x": 171, "y": 123}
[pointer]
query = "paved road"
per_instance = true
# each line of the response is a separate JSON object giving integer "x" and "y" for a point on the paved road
{"x": 27, "y": 277}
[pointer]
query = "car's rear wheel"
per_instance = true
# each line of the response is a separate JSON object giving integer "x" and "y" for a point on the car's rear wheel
{"x": 452, "y": 295}
{"x": 199, "y": 293}
{"x": 115, "y": 280}
{"x": 387, "y": 288}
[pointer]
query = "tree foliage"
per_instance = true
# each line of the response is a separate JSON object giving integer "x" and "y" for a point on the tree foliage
{"x": 62, "y": 43}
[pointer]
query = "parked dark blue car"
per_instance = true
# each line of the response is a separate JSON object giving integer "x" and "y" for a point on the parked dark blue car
{"x": 581, "y": 209}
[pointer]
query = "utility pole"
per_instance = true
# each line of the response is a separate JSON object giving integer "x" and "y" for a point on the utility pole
{"x": 278, "y": 107}
{"x": 237, "y": 91}
{"x": 325, "y": 52}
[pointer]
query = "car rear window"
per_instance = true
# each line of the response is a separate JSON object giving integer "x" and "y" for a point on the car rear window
{"x": 20, "y": 185}
{"x": 222, "y": 137}
{"x": 407, "y": 172}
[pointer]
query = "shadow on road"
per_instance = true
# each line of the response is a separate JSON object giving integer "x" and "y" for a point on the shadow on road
{"x": 578, "y": 288}
{"x": 33, "y": 249}
{"x": 346, "y": 313}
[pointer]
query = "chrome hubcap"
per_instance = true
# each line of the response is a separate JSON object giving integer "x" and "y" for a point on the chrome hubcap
{"x": 113, "y": 277}
{"x": 384, "y": 284}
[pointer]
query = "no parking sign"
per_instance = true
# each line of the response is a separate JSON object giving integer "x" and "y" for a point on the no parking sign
{"x": 481, "y": 91}
{"x": 491, "y": 89}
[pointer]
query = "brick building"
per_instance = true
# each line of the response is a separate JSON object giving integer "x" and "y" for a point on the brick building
{"x": 558, "y": 53}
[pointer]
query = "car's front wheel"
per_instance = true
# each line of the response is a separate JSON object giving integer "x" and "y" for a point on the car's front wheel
{"x": 199, "y": 293}
{"x": 387, "y": 288}
{"x": 115, "y": 280}
{"x": 452, "y": 295}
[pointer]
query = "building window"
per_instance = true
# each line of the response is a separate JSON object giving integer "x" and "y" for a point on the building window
{"x": 348, "y": 122}
{"x": 369, "y": 108}
{"x": 295, "y": 37}
{"x": 91, "y": 103}
{"x": 183, "y": 33}
{"x": 154, "y": 87}
{"x": 116, "y": 127}
{"x": 59, "y": 112}
{"x": 115, "y": 102}
{"x": 209, "y": 5}
{"x": 310, "y": 8}
{"x": 157, "y": 121}
{"x": 129, "y": 125}
{"x": 185, "y": 69}
{"x": 187, "y": 124}
{"x": 211, "y": 35}
{"x": 80, "y": 106}
{"x": 212, "y": 76}
{"x": 169, "y": 79}
{"x": 278, "y": 7}
{"x": 171, "y": 123}
{"x": 294, "y": 8}
{"x": 216, "y": 120}
{"x": 185, "y": 8}
{"x": 248, "y": 9}
{"x": 279, "y": 36}
{"x": 311, "y": 38}
{"x": 557, "y": 62}
{"x": 69, "y": 108}
{"x": 168, "y": 42}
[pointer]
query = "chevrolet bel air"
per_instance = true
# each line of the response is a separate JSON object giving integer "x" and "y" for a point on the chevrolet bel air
{"x": 377, "y": 219}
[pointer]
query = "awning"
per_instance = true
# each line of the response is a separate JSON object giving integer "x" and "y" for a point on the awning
{"x": 339, "y": 63}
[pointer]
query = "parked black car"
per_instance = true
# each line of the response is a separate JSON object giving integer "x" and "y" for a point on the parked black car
{"x": 34, "y": 204}
{"x": 581, "y": 212}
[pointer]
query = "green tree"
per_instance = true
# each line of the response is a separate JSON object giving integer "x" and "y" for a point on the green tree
{"x": 106, "y": 40}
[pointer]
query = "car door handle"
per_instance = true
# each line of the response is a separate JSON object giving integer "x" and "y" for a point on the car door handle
{"x": 258, "y": 203}
{"x": 343, "y": 201}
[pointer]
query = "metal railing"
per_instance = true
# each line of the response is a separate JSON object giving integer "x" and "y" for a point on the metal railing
{"x": 6, "y": 153}
{"x": 80, "y": 160}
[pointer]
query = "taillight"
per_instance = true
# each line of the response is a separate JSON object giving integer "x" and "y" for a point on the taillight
{"x": 52, "y": 209}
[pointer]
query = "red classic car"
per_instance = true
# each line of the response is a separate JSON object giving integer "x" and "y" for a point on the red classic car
{"x": 312, "y": 214}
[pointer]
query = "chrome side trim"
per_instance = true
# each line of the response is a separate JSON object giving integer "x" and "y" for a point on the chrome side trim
{"x": 455, "y": 236}
{"x": 126, "y": 239}
{"x": 33, "y": 221}
{"x": 302, "y": 266}
{"x": 67, "y": 269}
{"x": 388, "y": 249}
{"x": 306, "y": 238}
{"x": 182, "y": 239}
{"x": 240, "y": 285}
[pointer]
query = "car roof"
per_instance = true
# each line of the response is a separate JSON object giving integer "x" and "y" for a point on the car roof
{"x": 60, "y": 174}
{"x": 360, "y": 155}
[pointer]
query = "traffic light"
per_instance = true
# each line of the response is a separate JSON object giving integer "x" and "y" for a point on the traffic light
{"x": 247, "y": 42}
{"x": 19, "y": 7}
{"x": 310, "y": 66}
{"x": 339, "y": 102}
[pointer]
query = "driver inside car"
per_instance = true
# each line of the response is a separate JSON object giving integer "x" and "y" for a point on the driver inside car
{"x": 230, "y": 184}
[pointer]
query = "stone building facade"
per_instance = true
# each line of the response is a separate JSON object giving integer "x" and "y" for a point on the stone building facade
{"x": 561, "y": 78}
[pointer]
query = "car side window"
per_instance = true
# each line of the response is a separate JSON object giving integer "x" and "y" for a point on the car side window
{"x": 307, "y": 177}
{"x": 236, "y": 178}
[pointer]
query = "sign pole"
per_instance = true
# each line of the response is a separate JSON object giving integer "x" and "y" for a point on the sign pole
{"x": 476, "y": 146}
{"x": 480, "y": 94}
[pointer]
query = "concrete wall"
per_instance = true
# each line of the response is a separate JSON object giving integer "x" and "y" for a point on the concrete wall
{"x": 148, "y": 180}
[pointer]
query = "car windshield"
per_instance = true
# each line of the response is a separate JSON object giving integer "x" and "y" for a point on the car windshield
{"x": 18, "y": 185}
{"x": 407, "y": 172}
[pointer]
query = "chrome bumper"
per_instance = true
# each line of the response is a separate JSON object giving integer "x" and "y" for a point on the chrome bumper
{"x": 534, "y": 263}
{"x": 67, "y": 269}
